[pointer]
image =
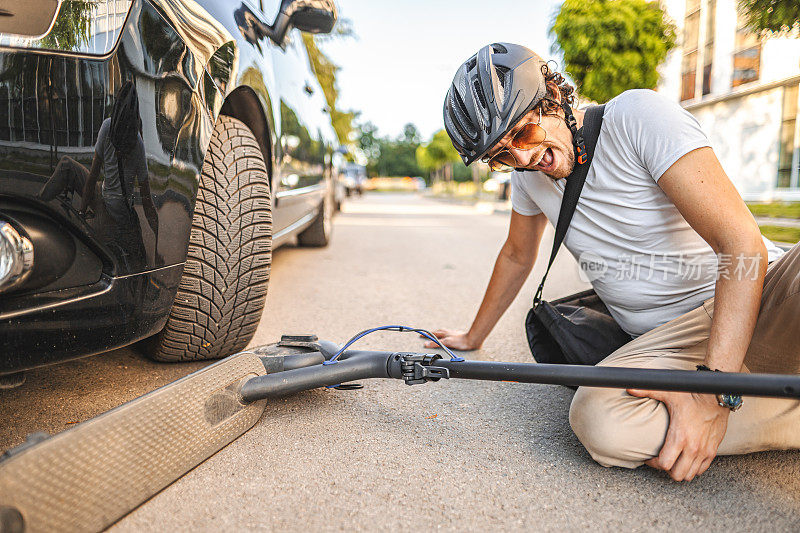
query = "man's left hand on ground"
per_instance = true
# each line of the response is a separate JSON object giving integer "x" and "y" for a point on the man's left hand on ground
{"x": 697, "y": 424}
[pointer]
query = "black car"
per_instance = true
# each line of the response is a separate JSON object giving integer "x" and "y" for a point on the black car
{"x": 153, "y": 153}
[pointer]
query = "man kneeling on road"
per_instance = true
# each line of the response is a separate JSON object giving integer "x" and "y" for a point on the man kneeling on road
{"x": 656, "y": 204}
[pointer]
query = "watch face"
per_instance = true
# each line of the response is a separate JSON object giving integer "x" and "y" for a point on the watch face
{"x": 731, "y": 401}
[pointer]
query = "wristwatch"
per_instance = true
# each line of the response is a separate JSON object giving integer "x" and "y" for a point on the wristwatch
{"x": 731, "y": 401}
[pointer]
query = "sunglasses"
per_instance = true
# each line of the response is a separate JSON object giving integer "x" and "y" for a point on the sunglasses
{"x": 528, "y": 137}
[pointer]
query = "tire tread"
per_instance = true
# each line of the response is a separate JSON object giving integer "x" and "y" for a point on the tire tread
{"x": 221, "y": 295}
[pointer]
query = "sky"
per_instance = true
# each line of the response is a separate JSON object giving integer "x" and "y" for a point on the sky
{"x": 406, "y": 52}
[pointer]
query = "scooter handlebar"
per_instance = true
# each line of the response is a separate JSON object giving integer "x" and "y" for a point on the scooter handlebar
{"x": 357, "y": 365}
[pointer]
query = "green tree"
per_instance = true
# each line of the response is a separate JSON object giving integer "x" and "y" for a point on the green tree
{"x": 389, "y": 156}
{"x": 410, "y": 134}
{"x": 610, "y": 46}
{"x": 326, "y": 71}
{"x": 771, "y": 15}
{"x": 368, "y": 141}
{"x": 438, "y": 153}
{"x": 72, "y": 28}
{"x": 398, "y": 156}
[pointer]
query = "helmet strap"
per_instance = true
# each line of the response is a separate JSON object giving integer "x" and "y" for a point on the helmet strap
{"x": 577, "y": 136}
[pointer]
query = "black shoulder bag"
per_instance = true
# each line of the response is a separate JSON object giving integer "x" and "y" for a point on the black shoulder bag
{"x": 577, "y": 329}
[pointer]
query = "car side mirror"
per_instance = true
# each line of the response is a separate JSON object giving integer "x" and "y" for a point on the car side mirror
{"x": 313, "y": 16}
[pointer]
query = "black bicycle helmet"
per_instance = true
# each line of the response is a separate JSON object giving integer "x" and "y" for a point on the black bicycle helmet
{"x": 490, "y": 92}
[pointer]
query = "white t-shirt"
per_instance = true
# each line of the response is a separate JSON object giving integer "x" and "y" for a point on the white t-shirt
{"x": 643, "y": 259}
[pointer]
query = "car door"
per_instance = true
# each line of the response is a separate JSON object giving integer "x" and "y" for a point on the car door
{"x": 304, "y": 138}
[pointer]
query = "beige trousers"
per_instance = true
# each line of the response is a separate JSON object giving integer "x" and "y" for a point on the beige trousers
{"x": 621, "y": 430}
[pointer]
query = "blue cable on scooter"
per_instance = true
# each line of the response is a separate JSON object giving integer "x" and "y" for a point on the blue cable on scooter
{"x": 400, "y": 329}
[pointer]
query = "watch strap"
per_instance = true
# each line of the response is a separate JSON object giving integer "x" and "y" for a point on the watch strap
{"x": 731, "y": 401}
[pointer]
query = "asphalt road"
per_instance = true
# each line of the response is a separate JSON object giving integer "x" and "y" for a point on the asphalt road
{"x": 448, "y": 455}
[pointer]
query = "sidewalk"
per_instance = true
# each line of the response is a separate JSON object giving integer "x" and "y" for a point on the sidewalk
{"x": 483, "y": 204}
{"x": 775, "y": 221}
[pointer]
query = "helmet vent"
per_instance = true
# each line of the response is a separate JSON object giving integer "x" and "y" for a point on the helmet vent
{"x": 471, "y": 62}
{"x": 463, "y": 121}
{"x": 502, "y": 79}
{"x": 502, "y": 75}
{"x": 499, "y": 48}
{"x": 484, "y": 122}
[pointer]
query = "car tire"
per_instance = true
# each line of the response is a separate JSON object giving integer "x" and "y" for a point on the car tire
{"x": 221, "y": 295}
{"x": 318, "y": 234}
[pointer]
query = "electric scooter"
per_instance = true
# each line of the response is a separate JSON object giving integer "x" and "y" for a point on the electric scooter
{"x": 88, "y": 477}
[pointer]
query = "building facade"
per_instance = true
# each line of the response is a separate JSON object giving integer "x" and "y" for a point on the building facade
{"x": 744, "y": 92}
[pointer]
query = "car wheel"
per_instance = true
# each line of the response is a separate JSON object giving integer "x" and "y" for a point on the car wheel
{"x": 221, "y": 294}
{"x": 319, "y": 232}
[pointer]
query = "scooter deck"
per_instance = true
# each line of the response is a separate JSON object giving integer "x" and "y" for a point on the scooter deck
{"x": 88, "y": 477}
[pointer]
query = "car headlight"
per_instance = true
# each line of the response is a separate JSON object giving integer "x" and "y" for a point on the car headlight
{"x": 16, "y": 256}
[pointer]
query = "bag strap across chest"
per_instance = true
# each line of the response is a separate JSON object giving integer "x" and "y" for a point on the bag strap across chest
{"x": 592, "y": 121}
